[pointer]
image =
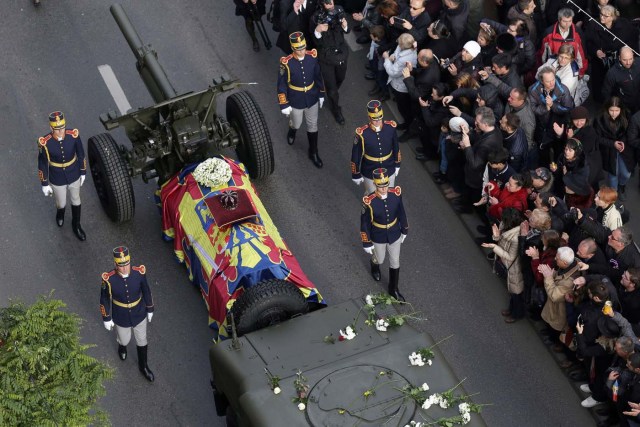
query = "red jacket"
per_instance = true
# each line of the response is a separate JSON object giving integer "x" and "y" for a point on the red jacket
{"x": 552, "y": 42}
{"x": 506, "y": 199}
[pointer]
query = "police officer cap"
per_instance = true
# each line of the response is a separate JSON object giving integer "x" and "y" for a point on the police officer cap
{"x": 121, "y": 255}
{"x": 374, "y": 108}
{"x": 380, "y": 177}
{"x": 56, "y": 120}
{"x": 297, "y": 41}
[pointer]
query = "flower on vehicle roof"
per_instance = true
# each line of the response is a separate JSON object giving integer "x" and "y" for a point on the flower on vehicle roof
{"x": 347, "y": 334}
{"x": 274, "y": 381}
{"x": 302, "y": 391}
{"x": 382, "y": 324}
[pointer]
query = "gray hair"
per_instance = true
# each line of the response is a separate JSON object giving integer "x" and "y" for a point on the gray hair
{"x": 626, "y": 344}
{"x": 626, "y": 236}
{"x": 565, "y": 12}
{"x": 545, "y": 70}
{"x": 565, "y": 254}
{"x": 486, "y": 116}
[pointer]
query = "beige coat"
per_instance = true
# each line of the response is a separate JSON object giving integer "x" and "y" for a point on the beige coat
{"x": 554, "y": 311}
{"x": 507, "y": 250}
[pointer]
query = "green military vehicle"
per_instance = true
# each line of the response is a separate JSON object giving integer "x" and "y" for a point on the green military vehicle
{"x": 312, "y": 371}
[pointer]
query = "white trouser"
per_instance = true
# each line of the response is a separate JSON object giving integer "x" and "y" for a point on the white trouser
{"x": 380, "y": 249}
{"x": 60, "y": 194}
{"x": 310, "y": 116}
{"x": 139, "y": 332}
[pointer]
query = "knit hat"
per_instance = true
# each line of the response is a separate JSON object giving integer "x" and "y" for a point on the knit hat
{"x": 472, "y": 47}
{"x": 579, "y": 113}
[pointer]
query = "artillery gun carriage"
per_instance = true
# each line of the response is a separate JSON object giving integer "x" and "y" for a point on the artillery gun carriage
{"x": 176, "y": 131}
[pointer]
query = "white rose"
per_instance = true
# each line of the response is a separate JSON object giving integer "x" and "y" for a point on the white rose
{"x": 427, "y": 404}
{"x": 301, "y": 406}
{"x": 425, "y": 387}
{"x": 429, "y": 362}
{"x": 276, "y": 390}
{"x": 444, "y": 404}
{"x": 466, "y": 417}
{"x": 368, "y": 300}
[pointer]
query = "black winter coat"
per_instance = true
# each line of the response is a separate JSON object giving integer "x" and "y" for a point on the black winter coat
{"x": 243, "y": 9}
{"x": 607, "y": 137}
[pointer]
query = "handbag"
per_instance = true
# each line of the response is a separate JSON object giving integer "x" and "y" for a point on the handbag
{"x": 568, "y": 338}
{"x": 499, "y": 269}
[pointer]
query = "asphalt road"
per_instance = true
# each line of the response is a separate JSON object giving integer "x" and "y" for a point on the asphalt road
{"x": 51, "y": 55}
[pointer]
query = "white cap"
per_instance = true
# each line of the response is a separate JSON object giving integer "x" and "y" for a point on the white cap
{"x": 472, "y": 47}
{"x": 455, "y": 124}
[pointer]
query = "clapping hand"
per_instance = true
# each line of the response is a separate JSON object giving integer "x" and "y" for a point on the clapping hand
{"x": 533, "y": 252}
{"x": 423, "y": 103}
{"x": 545, "y": 270}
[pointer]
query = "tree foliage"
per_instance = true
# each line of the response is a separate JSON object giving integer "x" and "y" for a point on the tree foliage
{"x": 46, "y": 376}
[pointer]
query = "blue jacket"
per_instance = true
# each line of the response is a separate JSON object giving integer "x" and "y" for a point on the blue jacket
{"x": 383, "y": 220}
{"x": 372, "y": 150}
{"x": 126, "y": 301}
{"x": 300, "y": 83}
{"x": 61, "y": 162}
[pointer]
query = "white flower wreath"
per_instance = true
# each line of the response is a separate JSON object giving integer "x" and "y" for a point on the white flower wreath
{"x": 213, "y": 172}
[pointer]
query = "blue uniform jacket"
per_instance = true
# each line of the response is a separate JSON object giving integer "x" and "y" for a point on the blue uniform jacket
{"x": 372, "y": 150}
{"x": 300, "y": 83}
{"x": 383, "y": 220}
{"x": 61, "y": 162}
{"x": 125, "y": 300}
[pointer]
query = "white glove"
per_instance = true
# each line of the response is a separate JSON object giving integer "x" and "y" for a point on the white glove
{"x": 287, "y": 111}
{"x": 397, "y": 172}
{"x": 47, "y": 190}
{"x": 358, "y": 181}
{"x": 321, "y": 101}
{"x": 369, "y": 250}
{"x": 149, "y": 316}
{"x": 404, "y": 236}
{"x": 109, "y": 325}
{"x": 82, "y": 177}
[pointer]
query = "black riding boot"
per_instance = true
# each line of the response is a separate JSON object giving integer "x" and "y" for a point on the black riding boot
{"x": 375, "y": 271}
{"x": 60, "y": 217}
{"x": 394, "y": 275}
{"x": 75, "y": 223}
{"x": 291, "y": 136}
{"x": 122, "y": 351}
{"x": 142, "y": 363}
{"x": 313, "y": 149}
{"x": 248, "y": 23}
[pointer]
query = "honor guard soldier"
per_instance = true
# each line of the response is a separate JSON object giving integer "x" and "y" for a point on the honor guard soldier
{"x": 375, "y": 146}
{"x": 62, "y": 167}
{"x": 126, "y": 302}
{"x": 301, "y": 92}
{"x": 383, "y": 227}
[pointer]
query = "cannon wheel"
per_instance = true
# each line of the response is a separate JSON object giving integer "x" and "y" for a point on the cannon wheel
{"x": 267, "y": 303}
{"x": 255, "y": 149}
{"x": 111, "y": 178}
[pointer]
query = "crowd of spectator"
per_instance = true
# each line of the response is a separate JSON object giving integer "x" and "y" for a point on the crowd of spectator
{"x": 535, "y": 124}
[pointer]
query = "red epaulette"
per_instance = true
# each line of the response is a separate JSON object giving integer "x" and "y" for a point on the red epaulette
{"x": 391, "y": 123}
{"x": 43, "y": 140}
{"x": 141, "y": 269}
{"x": 105, "y": 276}
{"x": 361, "y": 129}
{"x": 285, "y": 59}
{"x": 73, "y": 132}
{"x": 367, "y": 199}
{"x": 313, "y": 53}
{"x": 395, "y": 190}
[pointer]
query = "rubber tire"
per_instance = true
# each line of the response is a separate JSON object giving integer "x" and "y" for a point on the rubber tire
{"x": 267, "y": 303}
{"x": 255, "y": 149}
{"x": 220, "y": 400}
{"x": 111, "y": 178}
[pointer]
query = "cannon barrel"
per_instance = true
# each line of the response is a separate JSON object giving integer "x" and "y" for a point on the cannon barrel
{"x": 150, "y": 70}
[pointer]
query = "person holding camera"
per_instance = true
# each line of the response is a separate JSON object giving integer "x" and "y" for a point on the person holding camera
{"x": 251, "y": 11}
{"x": 329, "y": 25}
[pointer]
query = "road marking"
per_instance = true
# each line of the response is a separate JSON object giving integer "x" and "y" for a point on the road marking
{"x": 114, "y": 88}
{"x": 350, "y": 38}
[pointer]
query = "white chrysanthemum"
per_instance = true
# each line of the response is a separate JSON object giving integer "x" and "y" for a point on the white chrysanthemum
{"x": 427, "y": 404}
{"x": 213, "y": 172}
{"x": 466, "y": 418}
{"x": 463, "y": 407}
{"x": 368, "y": 299}
{"x": 301, "y": 406}
{"x": 276, "y": 390}
{"x": 429, "y": 362}
{"x": 425, "y": 387}
{"x": 444, "y": 404}
{"x": 348, "y": 333}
